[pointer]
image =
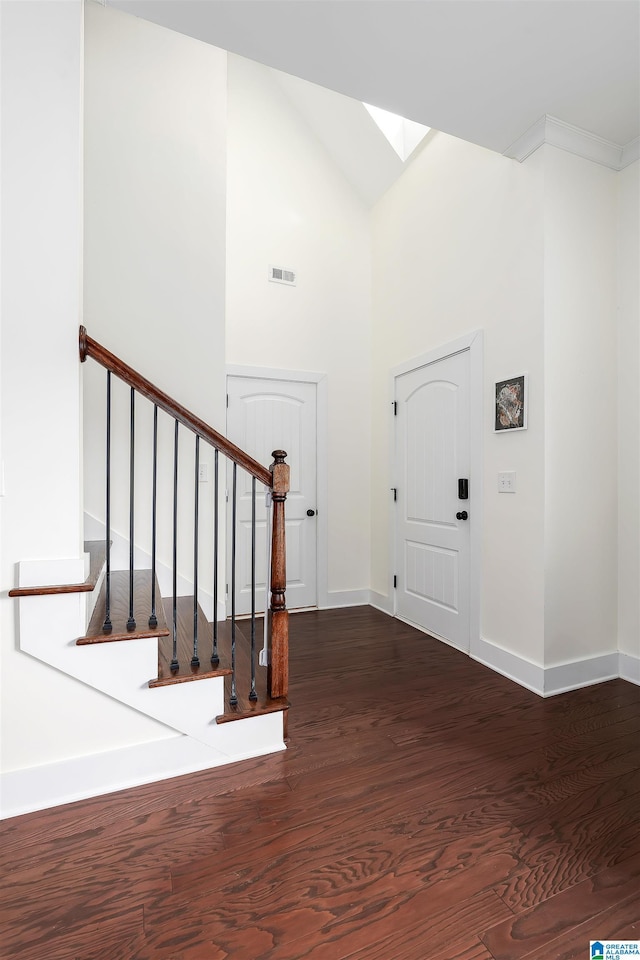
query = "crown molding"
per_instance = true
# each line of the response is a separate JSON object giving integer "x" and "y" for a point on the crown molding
{"x": 565, "y": 136}
{"x": 631, "y": 152}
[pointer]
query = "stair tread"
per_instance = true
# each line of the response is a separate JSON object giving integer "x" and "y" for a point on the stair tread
{"x": 97, "y": 552}
{"x": 246, "y": 707}
{"x": 120, "y": 610}
{"x": 185, "y": 671}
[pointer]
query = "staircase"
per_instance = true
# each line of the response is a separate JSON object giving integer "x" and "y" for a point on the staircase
{"x": 203, "y": 676}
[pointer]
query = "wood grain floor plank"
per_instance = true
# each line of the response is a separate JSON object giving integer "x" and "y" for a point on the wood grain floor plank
{"x": 621, "y": 921}
{"x": 540, "y": 925}
{"x": 425, "y": 808}
{"x": 326, "y": 913}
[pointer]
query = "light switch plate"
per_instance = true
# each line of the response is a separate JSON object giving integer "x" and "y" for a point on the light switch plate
{"x": 507, "y": 481}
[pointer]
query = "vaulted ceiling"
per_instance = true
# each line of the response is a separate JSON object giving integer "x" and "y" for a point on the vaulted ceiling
{"x": 482, "y": 70}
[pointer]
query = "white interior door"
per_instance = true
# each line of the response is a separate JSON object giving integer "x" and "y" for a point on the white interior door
{"x": 264, "y": 415}
{"x": 432, "y": 454}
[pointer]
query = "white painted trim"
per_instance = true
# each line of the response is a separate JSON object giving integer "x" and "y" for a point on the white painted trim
{"x": 474, "y": 343}
{"x": 629, "y": 667}
{"x": 38, "y": 788}
{"x": 52, "y": 572}
{"x": 631, "y": 152}
{"x": 322, "y": 490}
{"x": 560, "y": 678}
{"x": 524, "y": 672}
{"x": 380, "y": 602}
{"x": 322, "y": 454}
{"x": 582, "y": 143}
{"x": 273, "y": 373}
{"x": 346, "y": 598}
{"x": 529, "y": 142}
{"x": 476, "y": 502}
{"x": 439, "y": 353}
{"x": 580, "y": 673}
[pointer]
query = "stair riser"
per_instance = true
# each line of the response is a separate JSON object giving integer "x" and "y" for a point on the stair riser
{"x": 48, "y": 626}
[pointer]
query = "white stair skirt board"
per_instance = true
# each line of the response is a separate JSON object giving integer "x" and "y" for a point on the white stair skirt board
{"x": 95, "y": 530}
{"x": 39, "y": 788}
{"x": 629, "y": 668}
{"x": 48, "y": 628}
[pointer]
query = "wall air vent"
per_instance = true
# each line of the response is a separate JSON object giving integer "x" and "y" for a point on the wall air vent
{"x": 280, "y": 275}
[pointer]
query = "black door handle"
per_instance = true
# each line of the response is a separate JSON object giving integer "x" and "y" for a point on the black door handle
{"x": 311, "y": 513}
{"x": 463, "y": 515}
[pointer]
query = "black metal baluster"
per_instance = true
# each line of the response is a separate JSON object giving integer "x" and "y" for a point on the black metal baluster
{"x": 107, "y": 626}
{"x": 153, "y": 619}
{"x": 253, "y": 694}
{"x": 131, "y": 622}
{"x": 195, "y": 660}
{"x": 174, "y": 666}
{"x": 215, "y": 659}
{"x": 233, "y": 699}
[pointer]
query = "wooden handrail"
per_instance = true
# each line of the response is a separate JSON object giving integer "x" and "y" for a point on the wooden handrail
{"x": 91, "y": 348}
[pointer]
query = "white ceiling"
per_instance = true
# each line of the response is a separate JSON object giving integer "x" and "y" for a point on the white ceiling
{"x": 482, "y": 70}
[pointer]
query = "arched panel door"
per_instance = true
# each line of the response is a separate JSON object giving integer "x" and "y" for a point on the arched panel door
{"x": 265, "y": 415}
{"x": 432, "y": 523}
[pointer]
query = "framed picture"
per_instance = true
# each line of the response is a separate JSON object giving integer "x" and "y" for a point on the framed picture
{"x": 511, "y": 404}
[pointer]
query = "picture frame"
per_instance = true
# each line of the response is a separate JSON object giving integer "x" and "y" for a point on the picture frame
{"x": 511, "y": 403}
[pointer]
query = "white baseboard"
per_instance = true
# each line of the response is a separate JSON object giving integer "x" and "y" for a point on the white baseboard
{"x": 629, "y": 667}
{"x": 560, "y": 678}
{"x": 38, "y": 788}
{"x": 344, "y": 598}
{"x": 381, "y": 602}
{"x": 510, "y": 665}
{"x": 580, "y": 673}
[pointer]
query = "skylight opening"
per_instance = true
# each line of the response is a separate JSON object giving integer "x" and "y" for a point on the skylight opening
{"x": 403, "y": 135}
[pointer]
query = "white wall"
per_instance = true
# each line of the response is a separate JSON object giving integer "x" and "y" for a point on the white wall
{"x": 628, "y": 414}
{"x": 580, "y": 408}
{"x": 288, "y": 205}
{"x": 457, "y": 246}
{"x": 45, "y": 715}
{"x": 154, "y": 294}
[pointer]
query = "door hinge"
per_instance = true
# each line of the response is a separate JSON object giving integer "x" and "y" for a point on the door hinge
{"x": 226, "y": 588}
{"x": 395, "y": 581}
{"x": 227, "y": 399}
{"x": 394, "y": 404}
{"x": 395, "y": 493}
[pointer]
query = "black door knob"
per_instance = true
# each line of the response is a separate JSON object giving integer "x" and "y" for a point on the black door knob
{"x": 311, "y": 513}
{"x": 463, "y": 515}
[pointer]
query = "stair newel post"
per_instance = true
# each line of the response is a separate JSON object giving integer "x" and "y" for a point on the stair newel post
{"x": 278, "y": 674}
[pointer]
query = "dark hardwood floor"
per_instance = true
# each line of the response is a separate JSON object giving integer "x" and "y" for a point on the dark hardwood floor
{"x": 426, "y": 809}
